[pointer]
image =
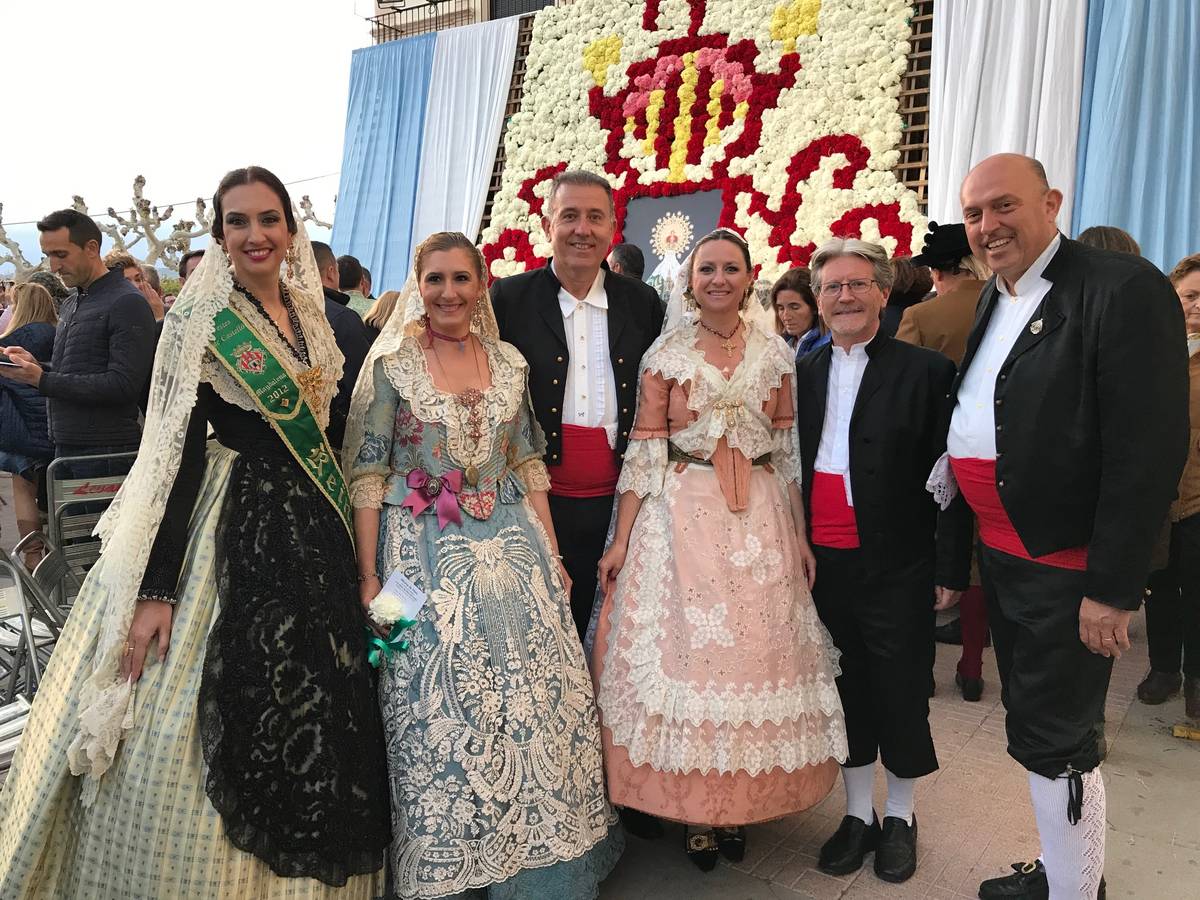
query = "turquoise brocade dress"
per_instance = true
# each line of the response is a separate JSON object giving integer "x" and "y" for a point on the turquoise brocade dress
{"x": 493, "y": 747}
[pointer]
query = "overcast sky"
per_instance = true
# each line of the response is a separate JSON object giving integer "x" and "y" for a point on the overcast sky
{"x": 99, "y": 91}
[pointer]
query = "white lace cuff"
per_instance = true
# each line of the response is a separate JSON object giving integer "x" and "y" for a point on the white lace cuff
{"x": 367, "y": 492}
{"x": 942, "y": 483}
{"x": 785, "y": 458}
{"x": 534, "y": 475}
{"x": 644, "y": 468}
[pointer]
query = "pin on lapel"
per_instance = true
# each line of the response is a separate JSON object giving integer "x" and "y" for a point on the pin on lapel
{"x": 1035, "y": 327}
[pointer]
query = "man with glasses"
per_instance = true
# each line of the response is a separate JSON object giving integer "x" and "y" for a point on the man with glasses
{"x": 872, "y": 416}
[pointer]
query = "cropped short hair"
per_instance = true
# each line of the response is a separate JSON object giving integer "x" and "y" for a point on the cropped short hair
{"x": 629, "y": 257}
{"x": 187, "y": 257}
{"x": 580, "y": 178}
{"x": 349, "y": 273}
{"x": 839, "y": 247}
{"x": 323, "y": 254}
{"x": 80, "y": 227}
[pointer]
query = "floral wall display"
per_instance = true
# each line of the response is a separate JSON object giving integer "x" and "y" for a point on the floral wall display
{"x": 788, "y": 107}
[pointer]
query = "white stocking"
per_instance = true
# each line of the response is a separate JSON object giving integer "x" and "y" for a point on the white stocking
{"x": 1073, "y": 854}
{"x": 860, "y": 784}
{"x": 900, "y": 797}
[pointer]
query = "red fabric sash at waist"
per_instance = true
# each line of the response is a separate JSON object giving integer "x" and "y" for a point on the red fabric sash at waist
{"x": 833, "y": 522}
{"x": 589, "y": 466}
{"x": 977, "y": 481}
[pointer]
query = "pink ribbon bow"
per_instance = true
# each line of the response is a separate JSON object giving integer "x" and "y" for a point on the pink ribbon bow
{"x": 436, "y": 491}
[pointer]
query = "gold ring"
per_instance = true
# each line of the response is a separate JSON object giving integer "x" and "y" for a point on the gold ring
{"x": 129, "y": 649}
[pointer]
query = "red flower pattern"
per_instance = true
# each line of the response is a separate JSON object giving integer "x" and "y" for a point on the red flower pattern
{"x": 715, "y": 57}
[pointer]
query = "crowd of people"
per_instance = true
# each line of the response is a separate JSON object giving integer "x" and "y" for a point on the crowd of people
{"x": 444, "y": 593}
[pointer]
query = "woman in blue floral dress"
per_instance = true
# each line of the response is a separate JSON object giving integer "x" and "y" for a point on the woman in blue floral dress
{"x": 493, "y": 747}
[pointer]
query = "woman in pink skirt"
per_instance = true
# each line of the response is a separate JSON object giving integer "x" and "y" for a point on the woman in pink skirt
{"x": 715, "y": 676}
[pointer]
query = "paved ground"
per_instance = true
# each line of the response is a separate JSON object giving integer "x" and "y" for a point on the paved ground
{"x": 974, "y": 813}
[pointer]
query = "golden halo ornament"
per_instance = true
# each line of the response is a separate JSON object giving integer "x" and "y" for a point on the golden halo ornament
{"x": 671, "y": 235}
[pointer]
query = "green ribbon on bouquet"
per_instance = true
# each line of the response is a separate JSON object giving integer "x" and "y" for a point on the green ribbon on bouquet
{"x": 381, "y": 649}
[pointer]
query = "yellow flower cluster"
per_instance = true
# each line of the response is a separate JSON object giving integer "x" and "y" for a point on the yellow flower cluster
{"x": 600, "y": 54}
{"x": 791, "y": 20}
{"x": 653, "y": 109}
{"x": 712, "y": 133}
{"x": 683, "y": 120}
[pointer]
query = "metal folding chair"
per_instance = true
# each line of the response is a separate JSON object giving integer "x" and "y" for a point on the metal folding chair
{"x": 75, "y": 505}
{"x": 29, "y": 636}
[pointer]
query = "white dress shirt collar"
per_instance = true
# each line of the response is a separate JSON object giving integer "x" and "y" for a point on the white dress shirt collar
{"x": 596, "y": 295}
{"x": 1033, "y": 275}
{"x": 856, "y": 351}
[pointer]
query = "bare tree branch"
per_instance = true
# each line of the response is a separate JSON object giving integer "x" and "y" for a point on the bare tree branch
{"x": 309, "y": 215}
{"x": 141, "y": 224}
{"x": 14, "y": 256}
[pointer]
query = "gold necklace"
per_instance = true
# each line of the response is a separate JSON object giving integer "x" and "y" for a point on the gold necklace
{"x": 727, "y": 343}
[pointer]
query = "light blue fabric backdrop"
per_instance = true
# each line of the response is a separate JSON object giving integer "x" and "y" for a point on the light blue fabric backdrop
{"x": 1139, "y": 134}
{"x": 381, "y": 159}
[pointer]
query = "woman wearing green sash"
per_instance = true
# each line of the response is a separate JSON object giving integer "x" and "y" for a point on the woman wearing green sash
{"x": 493, "y": 745}
{"x": 207, "y": 725}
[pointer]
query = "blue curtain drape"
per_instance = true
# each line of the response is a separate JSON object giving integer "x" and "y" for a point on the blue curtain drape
{"x": 1139, "y": 128}
{"x": 382, "y": 157}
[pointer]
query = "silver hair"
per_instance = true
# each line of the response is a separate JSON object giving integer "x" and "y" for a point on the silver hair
{"x": 839, "y": 247}
{"x": 579, "y": 178}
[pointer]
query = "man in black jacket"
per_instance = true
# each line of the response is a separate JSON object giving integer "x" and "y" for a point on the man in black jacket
{"x": 583, "y": 330}
{"x": 872, "y": 418}
{"x": 350, "y": 336}
{"x": 1068, "y": 437}
{"x": 103, "y": 349}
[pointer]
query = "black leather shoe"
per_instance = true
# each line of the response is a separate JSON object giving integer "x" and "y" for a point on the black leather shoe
{"x": 732, "y": 843}
{"x": 701, "y": 847}
{"x": 896, "y": 855}
{"x": 641, "y": 824}
{"x": 950, "y": 633}
{"x": 1027, "y": 882}
{"x": 972, "y": 688}
{"x": 1159, "y": 687}
{"x": 843, "y": 853}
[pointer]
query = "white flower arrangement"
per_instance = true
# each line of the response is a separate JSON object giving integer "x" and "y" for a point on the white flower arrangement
{"x": 840, "y": 63}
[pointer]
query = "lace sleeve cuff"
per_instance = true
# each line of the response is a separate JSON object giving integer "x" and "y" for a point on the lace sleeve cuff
{"x": 644, "y": 468}
{"x": 785, "y": 458}
{"x": 534, "y": 475}
{"x": 367, "y": 492}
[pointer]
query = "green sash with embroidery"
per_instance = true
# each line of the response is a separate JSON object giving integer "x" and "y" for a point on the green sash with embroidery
{"x": 283, "y": 403}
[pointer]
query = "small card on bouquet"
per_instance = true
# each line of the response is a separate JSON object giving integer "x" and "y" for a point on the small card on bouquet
{"x": 399, "y": 599}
